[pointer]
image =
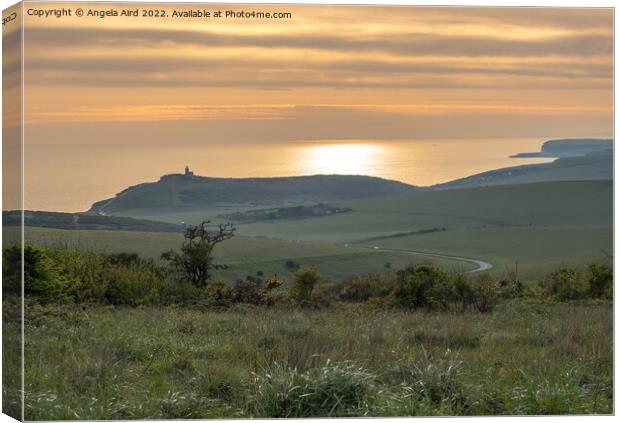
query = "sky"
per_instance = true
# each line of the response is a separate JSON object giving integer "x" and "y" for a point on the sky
{"x": 328, "y": 72}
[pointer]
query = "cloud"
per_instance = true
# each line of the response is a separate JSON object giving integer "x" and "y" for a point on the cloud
{"x": 251, "y": 112}
{"x": 363, "y": 66}
{"x": 403, "y": 44}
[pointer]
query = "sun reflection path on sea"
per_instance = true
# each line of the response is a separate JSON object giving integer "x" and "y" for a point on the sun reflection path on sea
{"x": 342, "y": 159}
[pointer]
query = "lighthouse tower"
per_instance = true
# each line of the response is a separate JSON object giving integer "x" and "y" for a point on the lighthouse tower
{"x": 188, "y": 172}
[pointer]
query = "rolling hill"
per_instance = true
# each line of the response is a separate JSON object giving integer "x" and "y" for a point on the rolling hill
{"x": 585, "y": 203}
{"x": 541, "y": 226}
{"x": 180, "y": 198}
{"x": 593, "y": 166}
{"x": 189, "y": 192}
{"x": 541, "y": 216}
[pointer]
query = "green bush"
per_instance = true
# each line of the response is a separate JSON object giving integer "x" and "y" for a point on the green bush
{"x": 427, "y": 286}
{"x": 601, "y": 280}
{"x": 98, "y": 278}
{"x": 305, "y": 280}
{"x": 362, "y": 288}
{"x": 423, "y": 286}
{"x": 247, "y": 291}
{"x": 124, "y": 259}
{"x": 567, "y": 284}
{"x": 329, "y": 391}
{"x": 219, "y": 294}
{"x": 41, "y": 277}
{"x": 485, "y": 294}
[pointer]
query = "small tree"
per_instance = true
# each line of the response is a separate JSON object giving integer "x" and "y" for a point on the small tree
{"x": 195, "y": 260}
{"x": 304, "y": 282}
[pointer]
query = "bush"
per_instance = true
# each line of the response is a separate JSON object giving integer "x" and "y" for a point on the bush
{"x": 423, "y": 285}
{"x": 247, "y": 291}
{"x": 41, "y": 277}
{"x": 427, "y": 286}
{"x": 601, "y": 281}
{"x": 304, "y": 282}
{"x": 123, "y": 259}
{"x": 485, "y": 294}
{"x": 93, "y": 277}
{"x": 219, "y": 294}
{"x": 567, "y": 284}
{"x": 363, "y": 288}
{"x": 328, "y": 391}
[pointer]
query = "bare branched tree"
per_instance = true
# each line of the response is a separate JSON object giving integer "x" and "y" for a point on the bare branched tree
{"x": 195, "y": 260}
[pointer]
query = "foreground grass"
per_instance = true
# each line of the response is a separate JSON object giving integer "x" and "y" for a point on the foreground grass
{"x": 120, "y": 363}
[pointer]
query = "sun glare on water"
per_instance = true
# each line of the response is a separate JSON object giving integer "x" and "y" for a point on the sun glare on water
{"x": 343, "y": 159}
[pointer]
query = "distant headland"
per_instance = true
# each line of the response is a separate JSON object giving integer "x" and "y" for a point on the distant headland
{"x": 570, "y": 148}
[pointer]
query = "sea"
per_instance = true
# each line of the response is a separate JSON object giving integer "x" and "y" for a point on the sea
{"x": 70, "y": 177}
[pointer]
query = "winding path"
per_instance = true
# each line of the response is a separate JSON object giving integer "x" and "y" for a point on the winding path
{"x": 482, "y": 265}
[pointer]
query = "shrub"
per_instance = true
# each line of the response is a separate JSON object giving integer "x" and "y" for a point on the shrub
{"x": 423, "y": 285}
{"x": 362, "y": 288}
{"x": 219, "y": 294}
{"x": 123, "y": 259}
{"x": 97, "y": 278}
{"x": 128, "y": 285}
{"x": 426, "y": 286}
{"x": 41, "y": 277}
{"x": 567, "y": 284}
{"x": 485, "y": 294}
{"x": 464, "y": 292}
{"x": 180, "y": 293}
{"x": 329, "y": 391}
{"x": 270, "y": 293}
{"x": 601, "y": 281}
{"x": 247, "y": 291}
{"x": 304, "y": 282}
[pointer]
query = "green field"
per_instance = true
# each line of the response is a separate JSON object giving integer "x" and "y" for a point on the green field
{"x": 544, "y": 204}
{"x": 539, "y": 226}
{"x": 535, "y": 250}
{"x": 244, "y": 256}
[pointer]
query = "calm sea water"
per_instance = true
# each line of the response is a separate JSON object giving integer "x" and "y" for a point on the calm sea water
{"x": 72, "y": 177}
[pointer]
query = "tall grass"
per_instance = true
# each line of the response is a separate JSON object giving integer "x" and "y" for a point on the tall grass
{"x": 110, "y": 362}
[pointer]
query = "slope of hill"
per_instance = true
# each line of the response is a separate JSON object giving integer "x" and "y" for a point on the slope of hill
{"x": 593, "y": 166}
{"x": 188, "y": 192}
{"x": 84, "y": 221}
{"x": 539, "y": 225}
{"x": 586, "y": 203}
